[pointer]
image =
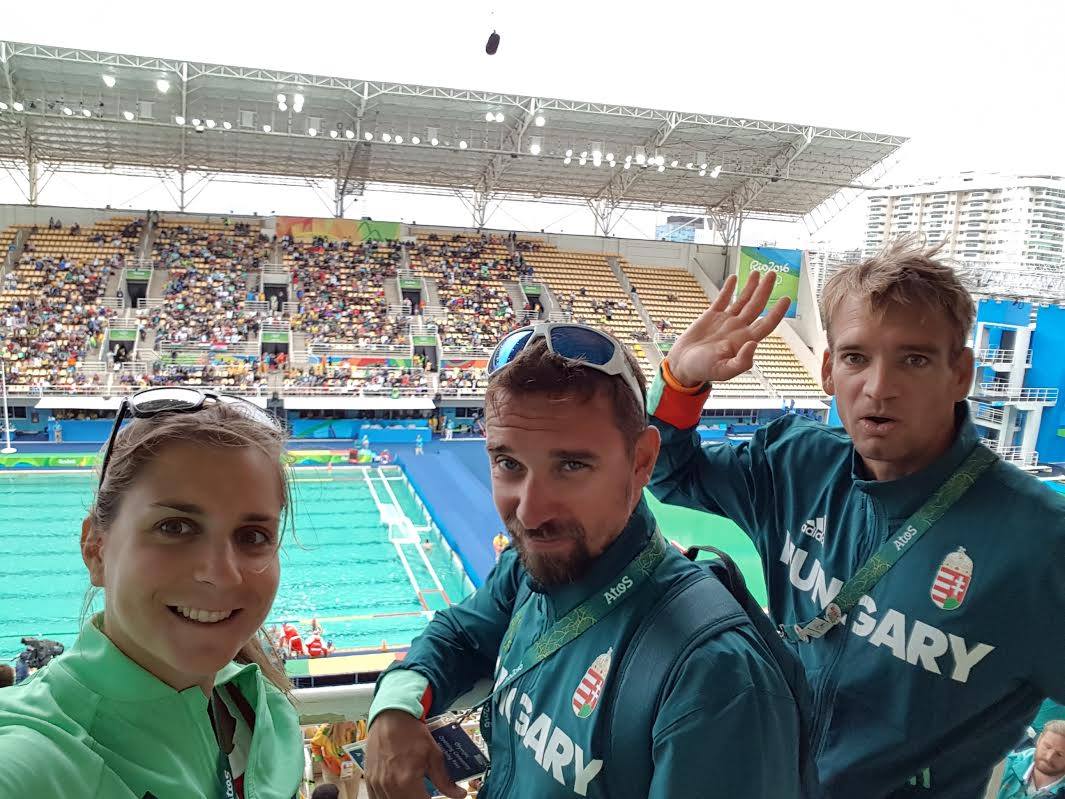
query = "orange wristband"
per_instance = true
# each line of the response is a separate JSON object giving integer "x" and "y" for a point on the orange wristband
{"x": 676, "y": 385}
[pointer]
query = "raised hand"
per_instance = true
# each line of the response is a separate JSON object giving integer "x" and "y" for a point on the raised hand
{"x": 720, "y": 344}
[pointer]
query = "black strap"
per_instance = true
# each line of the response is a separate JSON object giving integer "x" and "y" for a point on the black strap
{"x": 691, "y": 611}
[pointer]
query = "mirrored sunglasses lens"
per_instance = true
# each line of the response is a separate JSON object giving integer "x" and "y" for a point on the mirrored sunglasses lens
{"x": 509, "y": 348}
{"x": 578, "y": 342}
{"x": 164, "y": 399}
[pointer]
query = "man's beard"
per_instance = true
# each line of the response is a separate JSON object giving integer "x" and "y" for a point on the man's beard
{"x": 552, "y": 570}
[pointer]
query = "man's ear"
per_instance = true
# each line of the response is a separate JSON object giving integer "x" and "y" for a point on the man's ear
{"x": 826, "y": 374}
{"x": 92, "y": 546}
{"x": 964, "y": 367}
{"x": 647, "y": 446}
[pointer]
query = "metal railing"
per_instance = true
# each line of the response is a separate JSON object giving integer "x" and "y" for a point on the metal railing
{"x": 462, "y": 392}
{"x": 467, "y": 353}
{"x": 988, "y": 414}
{"x": 150, "y": 302}
{"x": 112, "y": 302}
{"x": 257, "y": 307}
{"x": 198, "y": 348}
{"x": 1047, "y": 395}
{"x": 1000, "y": 356}
{"x": 362, "y": 391}
{"x": 1015, "y": 455}
{"x": 355, "y": 350}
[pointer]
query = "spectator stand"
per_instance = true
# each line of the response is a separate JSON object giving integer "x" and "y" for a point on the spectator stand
{"x": 466, "y": 275}
{"x": 52, "y": 300}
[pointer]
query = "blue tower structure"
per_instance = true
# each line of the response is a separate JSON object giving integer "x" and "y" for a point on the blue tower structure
{"x": 1020, "y": 368}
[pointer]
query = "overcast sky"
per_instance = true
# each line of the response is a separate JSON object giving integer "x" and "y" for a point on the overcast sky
{"x": 975, "y": 85}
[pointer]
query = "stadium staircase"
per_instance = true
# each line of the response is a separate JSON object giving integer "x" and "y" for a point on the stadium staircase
{"x": 13, "y": 235}
{"x": 432, "y": 296}
{"x": 517, "y": 296}
{"x": 298, "y": 348}
{"x": 144, "y": 248}
{"x": 393, "y": 296}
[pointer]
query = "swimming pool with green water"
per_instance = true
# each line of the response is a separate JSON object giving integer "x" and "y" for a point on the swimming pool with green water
{"x": 339, "y": 564}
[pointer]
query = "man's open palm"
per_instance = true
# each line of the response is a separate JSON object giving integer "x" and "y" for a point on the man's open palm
{"x": 720, "y": 344}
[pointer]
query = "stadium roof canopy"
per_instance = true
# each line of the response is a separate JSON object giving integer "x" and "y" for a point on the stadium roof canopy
{"x": 81, "y": 110}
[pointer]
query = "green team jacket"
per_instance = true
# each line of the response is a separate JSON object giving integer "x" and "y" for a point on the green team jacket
{"x": 92, "y": 724}
{"x": 945, "y": 660}
{"x": 726, "y": 724}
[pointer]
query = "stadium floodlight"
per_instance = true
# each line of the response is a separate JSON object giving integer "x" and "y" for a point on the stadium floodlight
{"x": 489, "y": 116}
{"x": 199, "y": 128}
{"x": 628, "y": 164}
{"x": 399, "y": 139}
{"x": 609, "y": 156}
{"x": 569, "y": 153}
{"x": 282, "y": 107}
{"x": 499, "y": 116}
{"x": 536, "y": 145}
{"x": 368, "y": 136}
{"x": 333, "y": 133}
{"x": 674, "y": 163}
{"x": 462, "y": 144}
{"x": 179, "y": 120}
{"x": 628, "y": 159}
{"x": 540, "y": 121}
{"x": 661, "y": 167}
{"x": 312, "y": 131}
{"x": 641, "y": 156}
{"x": 567, "y": 160}
{"x": 716, "y": 172}
{"x": 660, "y": 160}
{"x": 583, "y": 161}
{"x": 227, "y": 124}
{"x": 613, "y": 164}
{"x": 434, "y": 141}
{"x": 267, "y": 128}
{"x": 415, "y": 140}
{"x": 297, "y": 102}
{"x": 67, "y": 110}
{"x": 349, "y": 133}
{"x": 281, "y": 99}
{"x": 703, "y": 165}
{"x": 85, "y": 112}
{"x": 163, "y": 85}
{"x": 689, "y": 165}
{"x": 702, "y": 173}
{"x": 386, "y": 137}
{"x": 109, "y": 80}
{"x": 209, "y": 123}
{"x": 18, "y": 106}
{"x": 195, "y": 122}
{"x": 3, "y": 105}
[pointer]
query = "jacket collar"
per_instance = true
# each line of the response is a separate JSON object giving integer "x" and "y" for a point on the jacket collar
{"x": 902, "y": 497}
{"x": 107, "y": 671}
{"x": 633, "y": 538}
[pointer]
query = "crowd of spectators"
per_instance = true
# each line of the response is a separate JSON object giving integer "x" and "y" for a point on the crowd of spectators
{"x": 469, "y": 272}
{"x": 356, "y": 379}
{"x": 51, "y": 319}
{"x": 463, "y": 380}
{"x": 228, "y": 376}
{"x": 208, "y": 271}
{"x": 339, "y": 288}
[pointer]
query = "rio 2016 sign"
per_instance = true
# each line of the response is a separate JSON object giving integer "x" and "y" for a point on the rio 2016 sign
{"x": 786, "y": 264}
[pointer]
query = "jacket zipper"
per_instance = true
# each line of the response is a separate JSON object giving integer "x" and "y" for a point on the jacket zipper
{"x": 824, "y": 695}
